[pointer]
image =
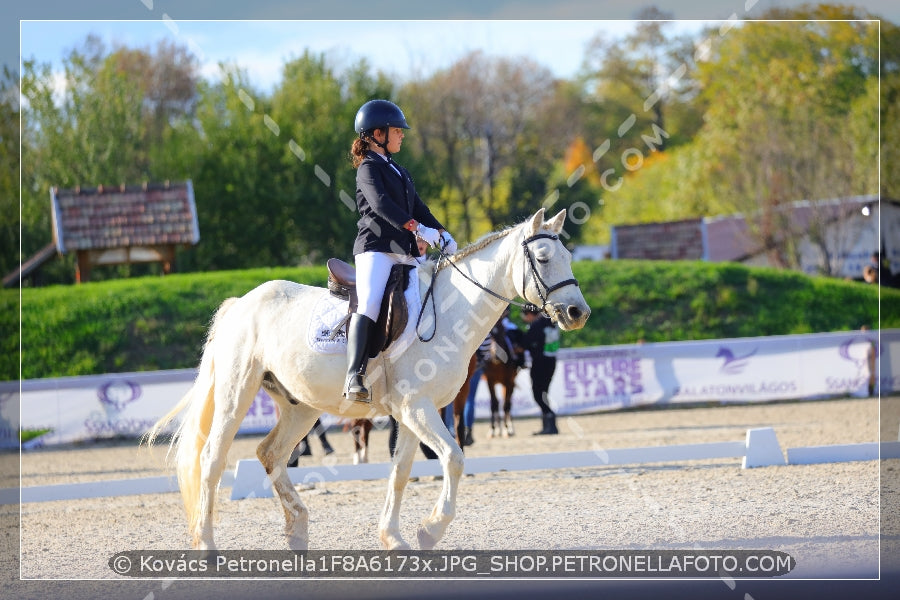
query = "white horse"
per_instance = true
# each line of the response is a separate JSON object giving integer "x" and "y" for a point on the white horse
{"x": 259, "y": 340}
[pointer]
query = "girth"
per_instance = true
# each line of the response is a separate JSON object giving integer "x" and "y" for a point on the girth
{"x": 394, "y": 312}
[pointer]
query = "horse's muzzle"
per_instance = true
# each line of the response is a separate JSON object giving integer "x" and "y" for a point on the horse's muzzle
{"x": 571, "y": 316}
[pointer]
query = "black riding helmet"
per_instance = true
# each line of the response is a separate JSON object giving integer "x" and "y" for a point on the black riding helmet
{"x": 378, "y": 114}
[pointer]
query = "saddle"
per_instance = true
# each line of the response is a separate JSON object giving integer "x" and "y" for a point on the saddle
{"x": 394, "y": 313}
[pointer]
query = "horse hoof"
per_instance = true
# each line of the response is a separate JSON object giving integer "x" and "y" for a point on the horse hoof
{"x": 426, "y": 540}
{"x": 297, "y": 542}
{"x": 394, "y": 543}
{"x": 207, "y": 551}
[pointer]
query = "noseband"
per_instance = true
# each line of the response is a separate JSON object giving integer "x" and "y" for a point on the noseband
{"x": 539, "y": 283}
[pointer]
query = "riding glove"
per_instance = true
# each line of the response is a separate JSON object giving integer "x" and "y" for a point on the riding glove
{"x": 431, "y": 236}
{"x": 448, "y": 244}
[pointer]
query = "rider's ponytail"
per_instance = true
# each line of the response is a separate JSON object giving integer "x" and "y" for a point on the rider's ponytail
{"x": 358, "y": 151}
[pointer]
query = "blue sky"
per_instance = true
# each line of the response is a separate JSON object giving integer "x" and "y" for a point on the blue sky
{"x": 401, "y": 48}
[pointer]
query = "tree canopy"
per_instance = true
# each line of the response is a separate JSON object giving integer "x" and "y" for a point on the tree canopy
{"x": 654, "y": 127}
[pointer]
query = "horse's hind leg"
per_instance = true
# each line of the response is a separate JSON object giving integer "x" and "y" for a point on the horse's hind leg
{"x": 225, "y": 424}
{"x": 273, "y": 452}
{"x": 495, "y": 410}
{"x": 508, "y": 387}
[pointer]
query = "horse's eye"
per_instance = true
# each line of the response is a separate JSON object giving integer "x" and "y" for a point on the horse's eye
{"x": 543, "y": 259}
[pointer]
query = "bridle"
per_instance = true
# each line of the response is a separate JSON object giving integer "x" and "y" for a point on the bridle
{"x": 539, "y": 283}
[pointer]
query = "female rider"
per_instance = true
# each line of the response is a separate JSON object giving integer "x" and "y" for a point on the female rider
{"x": 392, "y": 217}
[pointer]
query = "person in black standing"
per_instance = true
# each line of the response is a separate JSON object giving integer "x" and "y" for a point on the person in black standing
{"x": 391, "y": 218}
{"x": 303, "y": 448}
{"x": 542, "y": 342}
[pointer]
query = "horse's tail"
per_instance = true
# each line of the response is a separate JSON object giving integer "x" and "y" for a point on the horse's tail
{"x": 193, "y": 431}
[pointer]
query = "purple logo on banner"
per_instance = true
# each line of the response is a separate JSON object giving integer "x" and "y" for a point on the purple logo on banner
{"x": 733, "y": 365}
{"x": 117, "y": 394}
{"x": 861, "y": 360}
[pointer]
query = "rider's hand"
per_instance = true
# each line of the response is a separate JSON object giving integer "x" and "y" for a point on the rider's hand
{"x": 448, "y": 244}
{"x": 432, "y": 236}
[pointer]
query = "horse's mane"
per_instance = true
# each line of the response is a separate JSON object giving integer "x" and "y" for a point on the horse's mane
{"x": 475, "y": 246}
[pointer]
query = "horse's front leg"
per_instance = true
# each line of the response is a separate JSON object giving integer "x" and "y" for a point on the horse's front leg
{"x": 389, "y": 526}
{"x": 425, "y": 422}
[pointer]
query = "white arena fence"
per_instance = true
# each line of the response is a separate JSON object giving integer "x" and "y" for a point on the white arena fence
{"x": 249, "y": 479}
{"x": 737, "y": 370}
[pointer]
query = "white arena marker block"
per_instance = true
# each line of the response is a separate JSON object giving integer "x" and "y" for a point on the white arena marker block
{"x": 763, "y": 449}
{"x": 250, "y": 480}
{"x": 812, "y": 455}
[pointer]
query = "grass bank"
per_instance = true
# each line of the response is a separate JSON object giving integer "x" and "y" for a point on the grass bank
{"x": 159, "y": 322}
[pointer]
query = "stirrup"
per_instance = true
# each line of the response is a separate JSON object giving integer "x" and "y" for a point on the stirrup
{"x": 355, "y": 389}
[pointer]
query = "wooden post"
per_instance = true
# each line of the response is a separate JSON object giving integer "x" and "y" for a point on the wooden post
{"x": 83, "y": 267}
{"x": 168, "y": 254}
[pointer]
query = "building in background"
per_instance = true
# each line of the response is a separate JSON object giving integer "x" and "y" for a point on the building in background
{"x": 832, "y": 237}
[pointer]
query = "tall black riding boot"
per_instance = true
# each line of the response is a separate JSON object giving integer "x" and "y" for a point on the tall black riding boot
{"x": 320, "y": 431}
{"x": 549, "y": 428}
{"x": 358, "y": 332}
{"x": 325, "y": 445}
{"x": 551, "y": 424}
{"x": 543, "y": 430}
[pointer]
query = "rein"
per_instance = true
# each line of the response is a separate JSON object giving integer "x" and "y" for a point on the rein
{"x": 528, "y": 306}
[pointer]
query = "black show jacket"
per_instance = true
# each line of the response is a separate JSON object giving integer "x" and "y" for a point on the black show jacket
{"x": 387, "y": 201}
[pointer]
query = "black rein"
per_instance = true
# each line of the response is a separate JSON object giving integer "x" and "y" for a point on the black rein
{"x": 544, "y": 294}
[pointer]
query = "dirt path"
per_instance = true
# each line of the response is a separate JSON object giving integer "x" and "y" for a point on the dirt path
{"x": 825, "y": 516}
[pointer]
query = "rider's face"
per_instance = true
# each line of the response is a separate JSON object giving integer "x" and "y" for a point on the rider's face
{"x": 395, "y": 139}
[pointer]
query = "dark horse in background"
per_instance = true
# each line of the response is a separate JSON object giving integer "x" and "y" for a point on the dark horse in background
{"x": 360, "y": 428}
{"x": 501, "y": 367}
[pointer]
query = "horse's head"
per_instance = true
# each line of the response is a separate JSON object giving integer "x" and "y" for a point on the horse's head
{"x": 544, "y": 276}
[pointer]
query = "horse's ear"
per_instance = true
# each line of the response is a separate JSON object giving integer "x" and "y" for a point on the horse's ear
{"x": 534, "y": 224}
{"x": 556, "y": 223}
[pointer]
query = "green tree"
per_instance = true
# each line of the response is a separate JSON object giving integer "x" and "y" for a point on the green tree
{"x": 9, "y": 169}
{"x": 787, "y": 142}
{"x": 478, "y": 124}
{"x": 890, "y": 109}
{"x": 114, "y": 117}
{"x": 640, "y": 88}
{"x": 790, "y": 114}
{"x": 316, "y": 107}
{"x": 235, "y": 182}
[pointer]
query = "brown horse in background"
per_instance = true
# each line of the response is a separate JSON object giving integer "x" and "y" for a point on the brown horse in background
{"x": 360, "y": 428}
{"x": 459, "y": 403}
{"x": 496, "y": 370}
{"x": 501, "y": 369}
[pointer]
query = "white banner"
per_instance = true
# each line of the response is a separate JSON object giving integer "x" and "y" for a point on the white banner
{"x": 586, "y": 380}
{"x": 730, "y": 370}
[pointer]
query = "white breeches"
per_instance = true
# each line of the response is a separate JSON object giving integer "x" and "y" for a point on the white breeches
{"x": 372, "y": 271}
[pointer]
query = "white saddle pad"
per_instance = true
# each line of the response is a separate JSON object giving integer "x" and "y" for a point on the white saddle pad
{"x": 329, "y": 310}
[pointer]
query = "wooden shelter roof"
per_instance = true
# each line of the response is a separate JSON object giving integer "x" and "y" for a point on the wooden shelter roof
{"x": 148, "y": 215}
